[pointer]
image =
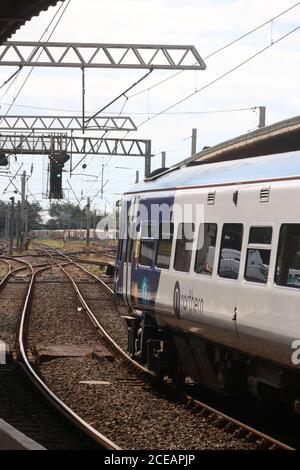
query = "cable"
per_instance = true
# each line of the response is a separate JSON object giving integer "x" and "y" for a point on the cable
{"x": 220, "y": 77}
{"x": 120, "y": 96}
{"x": 31, "y": 70}
{"x": 16, "y": 73}
{"x": 134, "y": 112}
{"x": 28, "y": 75}
{"x": 109, "y": 104}
{"x": 231, "y": 43}
{"x": 177, "y": 73}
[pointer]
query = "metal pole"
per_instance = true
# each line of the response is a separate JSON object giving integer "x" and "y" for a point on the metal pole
{"x": 88, "y": 221}
{"x": 262, "y": 116}
{"x": 194, "y": 141}
{"x": 148, "y": 160}
{"x": 163, "y": 159}
{"x": 118, "y": 220}
{"x": 23, "y": 203}
{"x": 18, "y": 224}
{"x": 137, "y": 176}
{"x": 83, "y": 99}
{"x": 6, "y": 223}
{"x": 95, "y": 224}
{"x": 102, "y": 176}
{"x": 11, "y": 227}
{"x": 26, "y": 220}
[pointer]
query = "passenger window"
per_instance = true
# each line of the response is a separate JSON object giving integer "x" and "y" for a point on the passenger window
{"x": 149, "y": 230}
{"x": 164, "y": 247}
{"x": 183, "y": 252}
{"x": 258, "y": 259}
{"x": 257, "y": 265}
{"x": 206, "y": 247}
{"x": 288, "y": 257}
{"x": 146, "y": 253}
{"x": 261, "y": 235}
{"x": 230, "y": 253}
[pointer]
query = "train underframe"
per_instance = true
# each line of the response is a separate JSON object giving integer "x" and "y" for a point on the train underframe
{"x": 212, "y": 365}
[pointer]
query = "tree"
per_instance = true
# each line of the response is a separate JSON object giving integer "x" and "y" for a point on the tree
{"x": 3, "y": 211}
{"x": 34, "y": 211}
{"x": 67, "y": 215}
{"x": 34, "y": 216}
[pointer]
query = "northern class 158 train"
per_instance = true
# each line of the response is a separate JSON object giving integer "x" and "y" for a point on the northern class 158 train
{"x": 208, "y": 266}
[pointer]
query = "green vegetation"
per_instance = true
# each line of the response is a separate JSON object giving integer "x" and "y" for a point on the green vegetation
{"x": 52, "y": 243}
{"x": 67, "y": 215}
{"x": 34, "y": 216}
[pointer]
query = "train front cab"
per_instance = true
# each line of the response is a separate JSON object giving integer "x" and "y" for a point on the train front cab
{"x": 136, "y": 284}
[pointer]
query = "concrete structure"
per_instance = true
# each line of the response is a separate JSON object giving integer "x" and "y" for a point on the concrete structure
{"x": 12, "y": 439}
{"x": 283, "y": 136}
{"x": 15, "y": 13}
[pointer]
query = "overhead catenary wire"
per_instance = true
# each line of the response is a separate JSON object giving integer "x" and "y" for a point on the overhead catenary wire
{"x": 28, "y": 75}
{"x": 31, "y": 70}
{"x": 221, "y": 49}
{"x": 230, "y": 43}
{"x": 234, "y": 41}
{"x": 16, "y": 73}
{"x": 202, "y": 112}
{"x": 210, "y": 111}
{"x": 106, "y": 106}
{"x": 106, "y": 164}
{"x": 220, "y": 77}
{"x": 121, "y": 95}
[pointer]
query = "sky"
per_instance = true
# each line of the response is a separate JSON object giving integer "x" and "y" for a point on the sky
{"x": 271, "y": 80}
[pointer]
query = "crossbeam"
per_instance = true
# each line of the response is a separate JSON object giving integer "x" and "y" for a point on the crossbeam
{"x": 66, "y": 123}
{"x": 91, "y": 55}
{"x": 50, "y": 144}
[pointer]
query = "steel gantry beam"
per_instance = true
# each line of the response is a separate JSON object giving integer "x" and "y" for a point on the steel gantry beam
{"x": 41, "y": 144}
{"x": 62, "y": 144}
{"x": 66, "y": 123}
{"x": 90, "y": 55}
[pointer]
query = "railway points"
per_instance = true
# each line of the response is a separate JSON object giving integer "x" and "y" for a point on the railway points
{"x": 52, "y": 268}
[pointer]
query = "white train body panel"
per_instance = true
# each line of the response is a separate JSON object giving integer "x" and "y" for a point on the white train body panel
{"x": 267, "y": 315}
{"x": 260, "y": 320}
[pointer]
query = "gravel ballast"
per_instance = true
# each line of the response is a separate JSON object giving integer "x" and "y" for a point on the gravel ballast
{"x": 115, "y": 400}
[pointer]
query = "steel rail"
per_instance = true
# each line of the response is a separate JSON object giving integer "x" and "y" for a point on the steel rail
{"x": 264, "y": 439}
{"x": 38, "y": 382}
{"x": 11, "y": 272}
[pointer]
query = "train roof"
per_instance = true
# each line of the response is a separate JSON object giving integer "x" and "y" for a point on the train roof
{"x": 255, "y": 169}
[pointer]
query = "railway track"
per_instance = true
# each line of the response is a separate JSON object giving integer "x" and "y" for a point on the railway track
{"x": 26, "y": 401}
{"x": 78, "y": 277}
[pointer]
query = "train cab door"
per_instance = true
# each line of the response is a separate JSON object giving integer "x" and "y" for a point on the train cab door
{"x": 130, "y": 244}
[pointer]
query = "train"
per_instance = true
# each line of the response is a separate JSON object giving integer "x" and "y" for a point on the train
{"x": 73, "y": 234}
{"x": 208, "y": 267}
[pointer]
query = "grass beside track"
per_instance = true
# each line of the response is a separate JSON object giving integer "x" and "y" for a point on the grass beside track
{"x": 75, "y": 246}
{"x": 3, "y": 270}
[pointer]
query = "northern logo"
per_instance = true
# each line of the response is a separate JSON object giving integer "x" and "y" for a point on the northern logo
{"x": 176, "y": 299}
{"x": 187, "y": 304}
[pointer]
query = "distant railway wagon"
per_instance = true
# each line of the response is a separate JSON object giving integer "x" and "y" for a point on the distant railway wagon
{"x": 209, "y": 266}
{"x": 98, "y": 234}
